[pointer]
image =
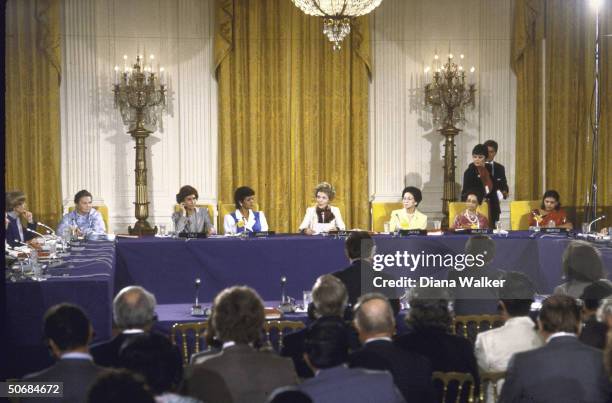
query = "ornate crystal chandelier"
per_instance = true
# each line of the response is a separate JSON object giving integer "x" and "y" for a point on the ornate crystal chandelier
{"x": 337, "y": 15}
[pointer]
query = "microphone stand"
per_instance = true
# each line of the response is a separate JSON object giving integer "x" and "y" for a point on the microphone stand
{"x": 285, "y": 305}
{"x": 594, "y": 221}
{"x": 196, "y": 309}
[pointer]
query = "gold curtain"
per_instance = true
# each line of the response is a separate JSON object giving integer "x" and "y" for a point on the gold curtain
{"x": 292, "y": 112}
{"x": 569, "y": 29}
{"x": 32, "y": 102}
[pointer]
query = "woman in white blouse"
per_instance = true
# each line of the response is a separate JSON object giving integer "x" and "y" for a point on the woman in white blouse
{"x": 322, "y": 217}
{"x": 244, "y": 218}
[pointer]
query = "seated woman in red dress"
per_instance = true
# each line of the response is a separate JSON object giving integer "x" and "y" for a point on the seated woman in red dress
{"x": 470, "y": 218}
{"x": 550, "y": 213}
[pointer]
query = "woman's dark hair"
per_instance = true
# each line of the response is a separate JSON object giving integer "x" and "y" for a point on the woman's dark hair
{"x": 67, "y": 325}
{"x": 80, "y": 194}
{"x": 415, "y": 192}
{"x": 477, "y": 193}
{"x": 555, "y": 195}
{"x": 480, "y": 149}
{"x": 327, "y": 343}
{"x": 326, "y": 188}
{"x": 242, "y": 193}
{"x": 186, "y": 191}
{"x": 154, "y": 357}
{"x": 429, "y": 309}
{"x": 119, "y": 385}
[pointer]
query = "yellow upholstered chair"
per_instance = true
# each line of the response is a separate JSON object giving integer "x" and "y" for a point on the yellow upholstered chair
{"x": 210, "y": 207}
{"x": 469, "y": 326}
{"x": 519, "y": 213}
{"x": 455, "y": 208}
{"x": 103, "y": 209}
{"x": 280, "y": 327}
{"x": 181, "y": 333}
{"x": 381, "y": 212}
{"x": 455, "y": 381}
{"x": 227, "y": 208}
{"x": 489, "y": 384}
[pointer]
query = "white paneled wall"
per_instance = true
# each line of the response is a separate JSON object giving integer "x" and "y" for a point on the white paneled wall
{"x": 97, "y": 153}
{"x": 404, "y": 147}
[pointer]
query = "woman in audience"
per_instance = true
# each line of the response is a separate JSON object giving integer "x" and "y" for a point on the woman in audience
{"x": 191, "y": 218}
{"x": 582, "y": 266}
{"x": 244, "y": 218}
{"x": 470, "y": 218}
{"x": 18, "y": 219}
{"x": 322, "y": 217}
{"x": 550, "y": 213}
{"x": 409, "y": 217}
{"x": 159, "y": 362}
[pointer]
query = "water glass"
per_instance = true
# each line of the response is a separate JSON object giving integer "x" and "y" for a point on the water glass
{"x": 585, "y": 227}
{"x": 307, "y": 298}
{"x": 437, "y": 224}
{"x": 499, "y": 227}
{"x": 162, "y": 229}
{"x": 386, "y": 227}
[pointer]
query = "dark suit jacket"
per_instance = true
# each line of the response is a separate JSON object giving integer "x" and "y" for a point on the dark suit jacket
{"x": 499, "y": 176}
{"x": 12, "y": 232}
{"x": 106, "y": 354}
{"x": 471, "y": 180}
{"x": 293, "y": 346}
{"x": 354, "y": 385}
{"x": 594, "y": 333}
{"x": 352, "y": 277}
{"x": 76, "y": 374}
{"x": 246, "y": 375}
{"x": 411, "y": 371}
{"x": 563, "y": 371}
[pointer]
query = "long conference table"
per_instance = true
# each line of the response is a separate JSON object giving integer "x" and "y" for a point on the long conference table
{"x": 168, "y": 267}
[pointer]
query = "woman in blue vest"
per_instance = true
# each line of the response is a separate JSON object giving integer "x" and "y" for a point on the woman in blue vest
{"x": 244, "y": 218}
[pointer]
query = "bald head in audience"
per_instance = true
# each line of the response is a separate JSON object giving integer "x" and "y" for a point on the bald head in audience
{"x": 374, "y": 317}
{"x": 134, "y": 308}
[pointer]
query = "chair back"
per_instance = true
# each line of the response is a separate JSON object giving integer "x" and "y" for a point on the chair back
{"x": 519, "y": 213}
{"x": 381, "y": 212}
{"x": 190, "y": 335}
{"x": 464, "y": 388}
{"x": 225, "y": 209}
{"x": 455, "y": 208}
{"x": 212, "y": 213}
{"x": 275, "y": 329}
{"x": 469, "y": 326}
{"x": 490, "y": 386}
{"x": 103, "y": 209}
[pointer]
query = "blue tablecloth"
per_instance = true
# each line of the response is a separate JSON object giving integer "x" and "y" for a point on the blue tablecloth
{"x": 86, "y": 279}
{"x": 168, "y": 267}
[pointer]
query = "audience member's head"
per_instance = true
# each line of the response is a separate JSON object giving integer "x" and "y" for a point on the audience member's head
{"x": 329, "y": 296}
{"x": 289, "y": 394}
{"x": 119, "y": 386}
{"x": 326, "y": 344}
{"x": 359, "y": 245}
{"x": 429, "y": 309}
{"x": 582, "y": 262}
{"x": 604, "y": 313}
{"x": 480, "y": 245}
{"x": 134, "y": 308}
{"x": 67, "y": 328}
{"x": 594, "y": 294}
{"x": 156, "y": 359}
{"x": 559, "y": 313}
{"x": 516, "y": 295}
{"x": 374, "y": 317}
{"x": 238, "y": 315}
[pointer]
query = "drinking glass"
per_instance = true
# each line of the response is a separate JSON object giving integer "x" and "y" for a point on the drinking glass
{"x": 585, "y": 227}
{"x": 306, "y": 298}
{"x": 437, "y": 224}
{"x": 162, "y": 229}
{"x": 386, "y": 227}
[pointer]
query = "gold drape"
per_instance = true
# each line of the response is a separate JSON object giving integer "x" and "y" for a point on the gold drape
{"x": 292, "y": 112}
{"x": 568, "y": 26}
{"x": 32, "y": 101}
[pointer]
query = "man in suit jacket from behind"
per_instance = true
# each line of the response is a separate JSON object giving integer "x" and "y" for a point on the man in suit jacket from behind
{"x": 247, "y": 375}
{"x": 358, "y": 277}
{"x": 134, "y": 314}
{"x": 327, "y": 353}
{"x": 68, "y": 333}
{"x": 375, "y": 324}
{"x": 564, "y": 370}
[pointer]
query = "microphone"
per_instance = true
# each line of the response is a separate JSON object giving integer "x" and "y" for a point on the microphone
{"x": 34, "y": 232}
{"x": 47, "y": 227}
{"x": 595, "y": 220}
{"x": 196, "y": 309}
{"x": 283, "y": 283}
{"x": 21, "y": 243}
{"x": 285, "y": 306}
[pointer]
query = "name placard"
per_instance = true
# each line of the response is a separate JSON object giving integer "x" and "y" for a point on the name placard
{"x": 408, "y": 232}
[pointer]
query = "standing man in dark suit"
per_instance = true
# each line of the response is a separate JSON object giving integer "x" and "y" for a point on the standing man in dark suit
{"x": 358, "y": 277}
{"x": 68, "y": 333}
{"x": 497, "y": 170}
{"x": 239, "y": 373}
{"x": 134, "y": 314}
{"x": 375, "y": 324}
{"x": 326, "y": 353}
{"x": 564, "y": 370}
